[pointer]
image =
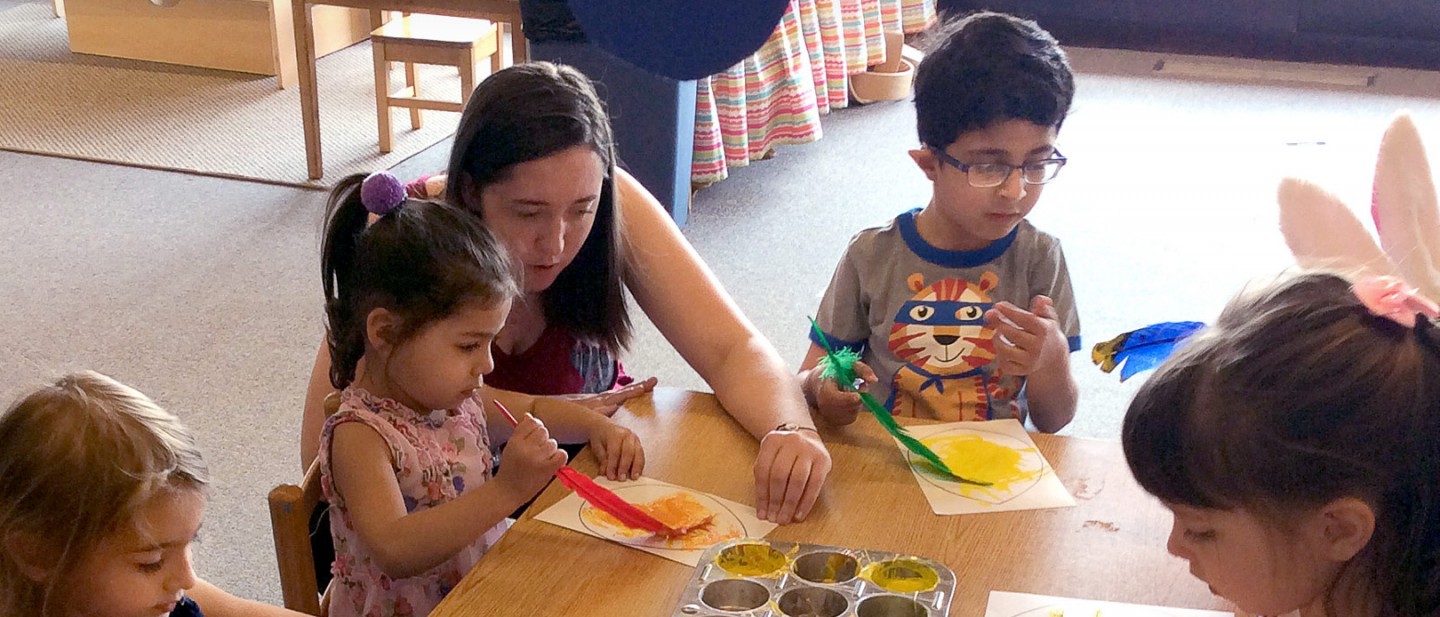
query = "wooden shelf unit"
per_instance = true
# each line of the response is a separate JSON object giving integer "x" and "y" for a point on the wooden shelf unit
{"x": 249, "y": 36}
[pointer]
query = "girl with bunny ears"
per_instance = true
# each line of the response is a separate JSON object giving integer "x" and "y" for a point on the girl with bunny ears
{"x": 1297, "y": 440}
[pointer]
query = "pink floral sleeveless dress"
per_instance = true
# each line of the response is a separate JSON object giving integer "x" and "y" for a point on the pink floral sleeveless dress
{"x": 436, "y": 457}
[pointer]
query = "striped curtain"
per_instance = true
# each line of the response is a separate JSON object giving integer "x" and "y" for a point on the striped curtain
{"x": 777, "y": 95}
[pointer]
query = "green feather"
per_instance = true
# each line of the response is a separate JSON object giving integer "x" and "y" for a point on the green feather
{"x": 840, "y": 366}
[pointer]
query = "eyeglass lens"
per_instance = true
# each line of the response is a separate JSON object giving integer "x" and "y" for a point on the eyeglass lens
{"x": 995, "y": 174}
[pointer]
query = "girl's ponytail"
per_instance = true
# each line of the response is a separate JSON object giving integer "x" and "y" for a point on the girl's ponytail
{"x": 1414, "y": 581}
{"x": 345, "y": 220}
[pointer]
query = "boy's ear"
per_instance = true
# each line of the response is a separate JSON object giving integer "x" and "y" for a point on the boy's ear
{"x": 29, "y": 554}
{"x": 926, "y": 161}
{"x": 380, "y": 328}
{"x": 1345, "y": 526}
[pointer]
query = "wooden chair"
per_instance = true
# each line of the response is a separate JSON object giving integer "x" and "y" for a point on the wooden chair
{"x": 291, "y": 508}
{"x": 428, "y": 39}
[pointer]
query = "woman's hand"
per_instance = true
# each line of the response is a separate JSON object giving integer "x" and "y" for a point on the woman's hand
{"x": 607, "y": 403}
{"x": 618, "y": 450}
{"x": 789, "y": 472}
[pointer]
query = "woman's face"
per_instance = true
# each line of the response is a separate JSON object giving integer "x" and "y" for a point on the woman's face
{"x": 543, "y": 211}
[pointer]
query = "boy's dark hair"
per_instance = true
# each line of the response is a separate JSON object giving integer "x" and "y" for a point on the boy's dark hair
{"x": 986, "y": 68}
{"x": 422, "y": 262}
{"x": 527, "y": 112}
{"x": 1296, "y": 397}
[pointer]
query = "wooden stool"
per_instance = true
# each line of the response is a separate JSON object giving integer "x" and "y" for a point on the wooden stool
{"x": 428, "y": 39}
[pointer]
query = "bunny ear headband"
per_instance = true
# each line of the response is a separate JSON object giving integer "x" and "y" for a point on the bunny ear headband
{"x": 1395, "y": 279}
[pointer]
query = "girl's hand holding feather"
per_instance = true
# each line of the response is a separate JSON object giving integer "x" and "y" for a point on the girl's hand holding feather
{"x": 531, "y": 459}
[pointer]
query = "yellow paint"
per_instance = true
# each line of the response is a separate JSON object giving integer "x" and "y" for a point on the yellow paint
{"x": 1060, "y": 612}
{"x": 751, "y": 560}
{"x": 834, "y": 565}
{"x": 901, "y": 575}
{"x": 600, "y": 518}
{"x": 982, "y": 460}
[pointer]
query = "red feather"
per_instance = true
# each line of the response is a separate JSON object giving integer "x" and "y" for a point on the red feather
{"x": 602, "y": 498}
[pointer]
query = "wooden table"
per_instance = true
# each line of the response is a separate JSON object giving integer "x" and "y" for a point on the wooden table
{"x": 502, "y": 11}
{"x": 1111, "y": 546}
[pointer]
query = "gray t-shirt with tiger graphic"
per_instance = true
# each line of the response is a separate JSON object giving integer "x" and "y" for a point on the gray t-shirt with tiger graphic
{"x": 915, "y": 314}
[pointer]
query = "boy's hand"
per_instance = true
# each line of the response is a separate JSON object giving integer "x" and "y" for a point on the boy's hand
{"x": 1026, "y": 341}
{"x": 618, "y": 450}
{"x": 531, "y": 458}
{"x": 607, "y": 403}
{"x": 836, "y": 405}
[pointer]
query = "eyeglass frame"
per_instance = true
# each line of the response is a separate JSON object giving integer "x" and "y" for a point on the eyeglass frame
{"x": 946, "y": 158}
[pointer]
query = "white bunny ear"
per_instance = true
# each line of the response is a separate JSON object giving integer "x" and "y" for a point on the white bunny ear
{"x": 1404, "y": 206}
{"x": 1324, "y": 234}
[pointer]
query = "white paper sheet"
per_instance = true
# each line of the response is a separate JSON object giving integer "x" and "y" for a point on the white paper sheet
{"x": 998, "y": 451}
{"x": 1007, "y": 604}
{"x": 732, "y": 520}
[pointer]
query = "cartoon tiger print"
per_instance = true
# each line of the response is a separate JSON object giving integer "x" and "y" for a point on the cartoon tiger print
{"x": 941, "y": 336}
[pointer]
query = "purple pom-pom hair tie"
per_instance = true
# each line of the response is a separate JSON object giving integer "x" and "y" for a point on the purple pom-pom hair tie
{"x": 382, "y": 193}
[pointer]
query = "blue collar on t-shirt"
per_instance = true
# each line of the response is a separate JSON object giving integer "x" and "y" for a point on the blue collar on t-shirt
{"x": 947, "y": 258}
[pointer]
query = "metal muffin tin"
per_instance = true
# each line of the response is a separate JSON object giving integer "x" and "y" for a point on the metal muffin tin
{"x": 753, "y": 577}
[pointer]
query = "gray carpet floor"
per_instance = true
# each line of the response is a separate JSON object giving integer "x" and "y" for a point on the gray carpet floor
{"x": 184, "y": 118}
{"x": 204, "y": 292}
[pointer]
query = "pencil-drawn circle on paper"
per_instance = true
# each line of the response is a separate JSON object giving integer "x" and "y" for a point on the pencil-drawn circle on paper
{"x": 1011, "y": 466}
{"x": 1061, "y": 610}
{"x": 671, "y": 505}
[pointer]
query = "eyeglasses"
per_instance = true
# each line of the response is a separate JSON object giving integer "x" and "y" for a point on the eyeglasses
{"x": 987, "y": 175}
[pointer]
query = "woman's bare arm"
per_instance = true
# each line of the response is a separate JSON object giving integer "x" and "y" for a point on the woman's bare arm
{"x": 686, "y": 302}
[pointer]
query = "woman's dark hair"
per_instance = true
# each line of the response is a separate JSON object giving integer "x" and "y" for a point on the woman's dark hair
{"x": 423, "y": 262}
{"x": 1296, "y": 397}
{"x": 528, "y": 112}
{"x": 986, "y": 68}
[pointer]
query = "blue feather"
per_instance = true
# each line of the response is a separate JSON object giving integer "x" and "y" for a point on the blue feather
{"x": 1143, "y": 349}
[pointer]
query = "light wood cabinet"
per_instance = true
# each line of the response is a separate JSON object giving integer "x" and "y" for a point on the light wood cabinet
{"x": 249, "y": 36}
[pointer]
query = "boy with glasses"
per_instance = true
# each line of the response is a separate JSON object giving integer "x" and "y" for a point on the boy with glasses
{"x": 962, "y": 310}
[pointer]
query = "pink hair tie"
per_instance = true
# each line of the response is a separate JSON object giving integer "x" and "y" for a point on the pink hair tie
{"x": 1391, "y": 298}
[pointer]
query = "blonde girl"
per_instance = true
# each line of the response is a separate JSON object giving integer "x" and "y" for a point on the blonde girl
{"x": 101, "y": 497}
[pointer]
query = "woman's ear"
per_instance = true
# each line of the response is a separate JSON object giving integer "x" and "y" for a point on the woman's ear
{"x": 29, "y": 554}
{"x": 1344, "y": 527}
{"x": 926, "y": 161}
{"x": 381, "y": 326}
